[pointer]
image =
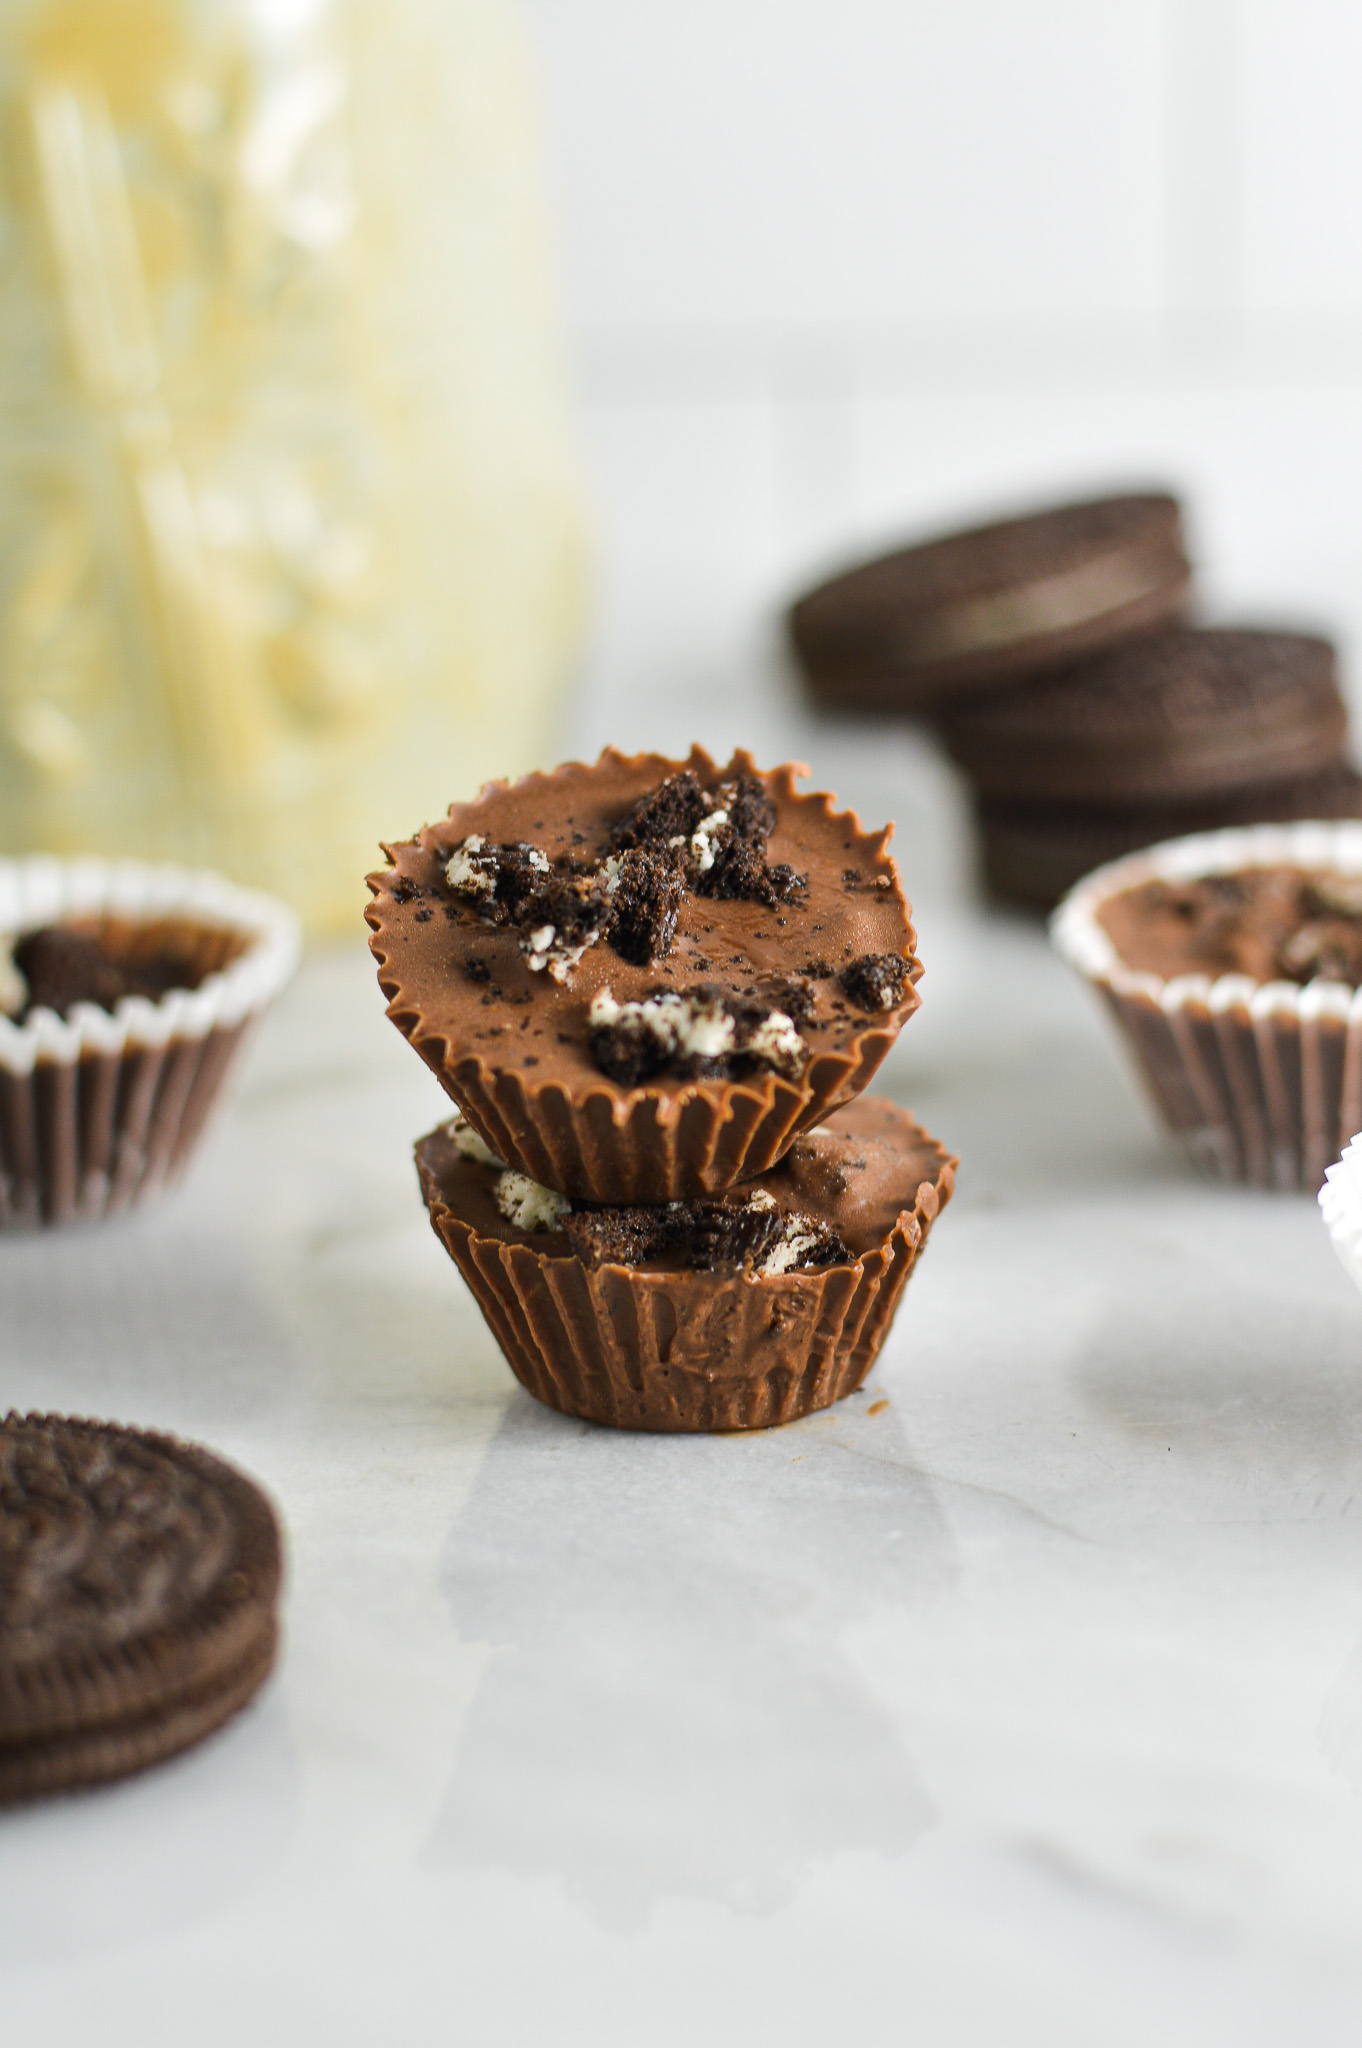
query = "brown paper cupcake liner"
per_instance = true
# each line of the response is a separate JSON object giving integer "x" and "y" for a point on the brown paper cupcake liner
{"x": 100, "y": 1110}
{"x": 685, "y": 1351}
{"x": 1261, "y": 1081}
{"x": 597, "y": 1140}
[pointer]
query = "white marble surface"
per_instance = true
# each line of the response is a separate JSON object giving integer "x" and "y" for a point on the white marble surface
{"x": 1027, "y": 1709}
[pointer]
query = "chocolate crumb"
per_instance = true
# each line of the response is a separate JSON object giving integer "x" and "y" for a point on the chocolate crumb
{"x": 876, "y": 981}
{"x": 647, "y": 902}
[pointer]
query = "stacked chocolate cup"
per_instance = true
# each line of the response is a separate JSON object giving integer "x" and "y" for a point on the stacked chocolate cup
{"x": 656, "y": 991}
{"x": 1052, "y": 654}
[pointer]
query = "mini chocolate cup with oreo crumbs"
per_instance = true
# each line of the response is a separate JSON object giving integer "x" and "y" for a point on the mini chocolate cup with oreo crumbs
{"x": 679, "y": 1349}
{"x": 1260, "y": 1080}
{"x": 99, "y": 1108}
{"x": 513, "y": 1046}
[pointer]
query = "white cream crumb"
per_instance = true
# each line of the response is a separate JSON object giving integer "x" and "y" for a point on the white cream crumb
{"x": 463, "y": 874}
{"x": 705, "y": 1032}
{"x": 526, "y": 1204}
{"x": 677, "y": 1023}
{"x": 760, "y": 1199}
{"x": 544, "y": 953}
{"x": 538, "y": 860}
{"x": 603, "y": 1010}
{"x": 470, "y": 1145}
{"x": 702, "y": 838}
{"x": 788, "y": 1250}
{"x": 777, "y": 1041}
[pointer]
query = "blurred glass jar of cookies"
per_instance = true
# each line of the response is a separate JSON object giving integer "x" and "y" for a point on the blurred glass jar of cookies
{"x": 290, "y": 541}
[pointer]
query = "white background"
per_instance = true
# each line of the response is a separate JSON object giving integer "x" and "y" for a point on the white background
{"x": 1026, "y": 1709}
{"x": 836, "y": 271}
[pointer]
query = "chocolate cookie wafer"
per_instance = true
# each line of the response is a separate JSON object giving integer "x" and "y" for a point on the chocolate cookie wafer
{"x": 1174, "y": 717}
{"x": 139, "y": 1578}
{"x": 993, "y": 605}
{"x": 1034, "y": 853}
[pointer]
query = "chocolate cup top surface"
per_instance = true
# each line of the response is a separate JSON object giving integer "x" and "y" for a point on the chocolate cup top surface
{"x": 863, "y": 1171}
{"x": 512, "y": 1047}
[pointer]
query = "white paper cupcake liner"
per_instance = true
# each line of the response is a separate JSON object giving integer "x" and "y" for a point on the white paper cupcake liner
{"x": 99, "y": 1109}
{"x": 1340, "y": 1201}
{"x": 1262, "y": 1081}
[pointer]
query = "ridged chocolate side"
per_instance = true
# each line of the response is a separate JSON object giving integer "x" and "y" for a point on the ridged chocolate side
{"x": 1268, "y": 1099}
{"x": 640, "y": 1146}
{"x": 689, "y": 1350}
{"x": 85, "y": 1138}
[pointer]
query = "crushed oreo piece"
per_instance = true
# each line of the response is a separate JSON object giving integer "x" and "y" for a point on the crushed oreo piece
{"x": 467, "y": 1142}
{"x": 498, "y": 880}
{"x": 559, "y": 920}
{"x": 1325, "y": 949}
{"x": 694, "y": 1033}
{"x": 527, "y": 1205}
{"x": 754, "y": 1236}
{"x": 61, "y": 966}
{"x": 647, "y": 884}
{"x": 669, "y": 812}
{"x": 876, "y": 981}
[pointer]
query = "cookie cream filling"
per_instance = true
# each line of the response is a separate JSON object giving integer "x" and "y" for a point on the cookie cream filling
{"x": 527, "y": 1205}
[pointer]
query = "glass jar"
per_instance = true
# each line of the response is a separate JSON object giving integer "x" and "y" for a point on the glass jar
{"x": 290, "y": 539}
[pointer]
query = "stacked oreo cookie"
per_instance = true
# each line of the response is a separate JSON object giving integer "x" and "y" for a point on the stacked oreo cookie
{"x": 1051, "y": 653}
{"x": 656, "y": 991}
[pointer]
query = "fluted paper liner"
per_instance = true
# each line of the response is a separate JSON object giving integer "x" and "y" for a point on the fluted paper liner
{"x": 685, "y": 1351}
{"x": 101, "y": 1109}
{"x": 599, "y": 1141}
{"x": 1340, "y": 1201}
{"x": 1262, "y": 1081}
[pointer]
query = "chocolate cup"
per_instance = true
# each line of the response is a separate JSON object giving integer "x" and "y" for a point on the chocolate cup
{"x": 101, "y": 1110}
{"x": 685, "y": 1350}
{"x": 1260, "y": 1081}
{"x": 578, "y": 1132}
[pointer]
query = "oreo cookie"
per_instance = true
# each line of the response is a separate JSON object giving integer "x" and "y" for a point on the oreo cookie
{"x": 139, "y": 1581}
{"x": 991, "y": 606}
{"x": 1177, "y": 717}
{"x": 1034, "y": 853}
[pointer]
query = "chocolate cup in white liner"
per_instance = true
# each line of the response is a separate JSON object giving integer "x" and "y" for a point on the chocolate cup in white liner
{"x": 102, "y": 1108}
{"x": 1340, "y": 1201}
{"x": 1262, "y": 1081}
